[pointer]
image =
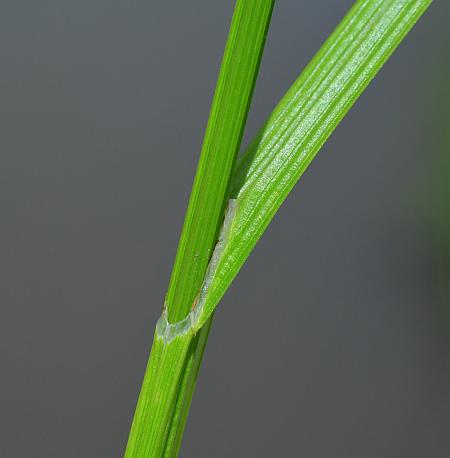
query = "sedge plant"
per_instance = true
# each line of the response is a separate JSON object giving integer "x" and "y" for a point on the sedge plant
{"x": 234, "y": 198}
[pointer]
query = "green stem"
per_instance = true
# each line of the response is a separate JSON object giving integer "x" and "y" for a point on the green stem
{"x": 173, "y": 366}
{"x": 220, "y": 147}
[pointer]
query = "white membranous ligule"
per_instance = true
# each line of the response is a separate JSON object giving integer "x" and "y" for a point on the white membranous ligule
{"x": 194, "y": 321}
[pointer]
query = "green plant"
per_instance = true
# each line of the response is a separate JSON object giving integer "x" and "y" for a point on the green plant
{"x": 232, "y": 204}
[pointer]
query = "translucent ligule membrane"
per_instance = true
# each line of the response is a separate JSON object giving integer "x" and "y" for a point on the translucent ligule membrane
{"x": 169, "y": 331}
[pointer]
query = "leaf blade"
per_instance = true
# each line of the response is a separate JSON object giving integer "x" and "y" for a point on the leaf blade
{"x": 302, "y": 122}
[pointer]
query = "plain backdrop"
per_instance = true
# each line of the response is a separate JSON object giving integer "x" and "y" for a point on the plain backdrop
{"x": 334, "y": 340}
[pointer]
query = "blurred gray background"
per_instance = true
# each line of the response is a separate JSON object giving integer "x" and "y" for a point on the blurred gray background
{"x": 334, "y": 341}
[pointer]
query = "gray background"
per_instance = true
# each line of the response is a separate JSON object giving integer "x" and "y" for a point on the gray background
{"x": 334, "y": 340}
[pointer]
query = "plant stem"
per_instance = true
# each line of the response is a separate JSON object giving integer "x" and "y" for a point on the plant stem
{"x": 220, "y": 147}
{"x": 171, "y": 373}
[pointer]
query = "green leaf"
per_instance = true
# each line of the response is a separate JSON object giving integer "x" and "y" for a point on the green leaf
{"x": 300, "y": 125}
